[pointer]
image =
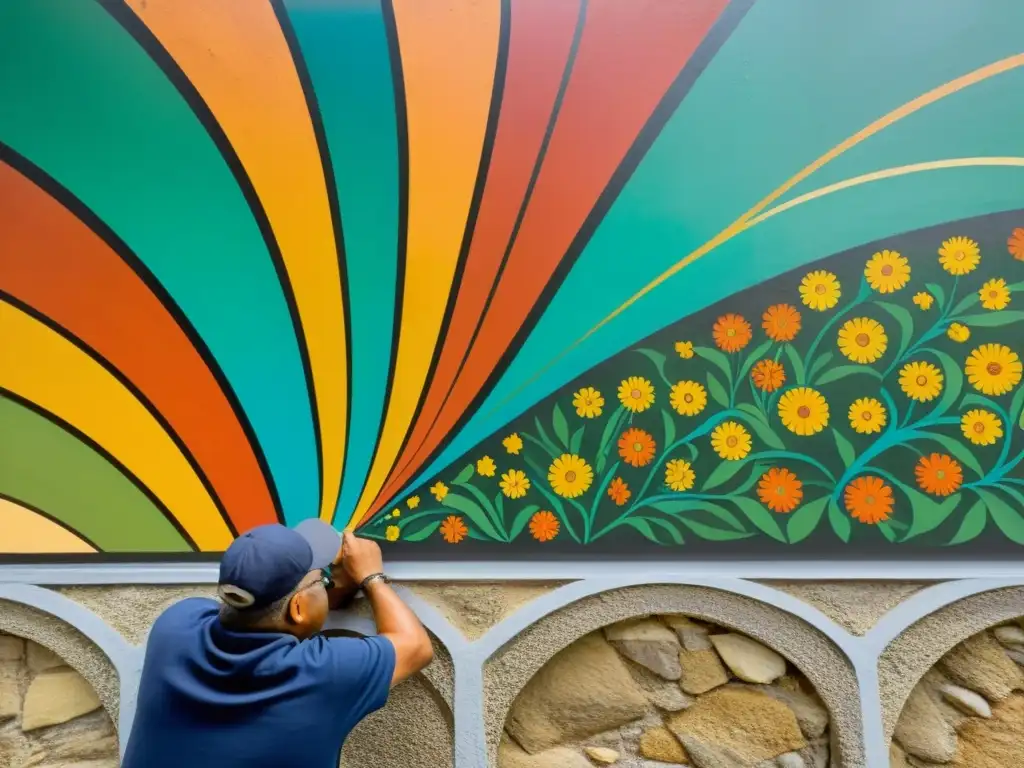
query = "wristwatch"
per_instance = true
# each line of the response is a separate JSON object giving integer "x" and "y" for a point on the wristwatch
{"x": 372, "y": 578}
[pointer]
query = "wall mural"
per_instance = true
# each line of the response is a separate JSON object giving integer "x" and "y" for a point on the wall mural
{"x": 586, "y": 278}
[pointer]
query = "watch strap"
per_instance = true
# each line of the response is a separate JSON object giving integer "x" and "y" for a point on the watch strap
{"x": 374, "y": 577}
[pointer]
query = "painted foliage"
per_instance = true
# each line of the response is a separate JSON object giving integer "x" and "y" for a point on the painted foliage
{"x": 591, "y": 276}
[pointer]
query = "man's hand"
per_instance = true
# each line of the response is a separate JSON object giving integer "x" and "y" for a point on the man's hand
{"x": 360, "y": 557}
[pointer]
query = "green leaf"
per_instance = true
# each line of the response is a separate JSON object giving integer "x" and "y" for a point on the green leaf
{"x": 641, "y": 524}
{"x": 821, "y": 362}
{"x": 722, "y": 473}
{"x": 840, "y": 522}
{"x": 715, "y": 357}
{"x": 993, "y": 319}
{"x": 953, "y": 383}
{"x": 484, "y": 502}
{"x": 1017, "y": 406}
{"x": 979, "y": 400}
{"x": 926, "y": 513}
{"x": 714, "y": 534}
{"x": 906, "y": 322}
{"x": 764, "y": 520}
{"x": 674, "y": 507}
{"x": 967, "y": 301}
{"x": 670, "y": 529}
{"x": 657, "y": 358}
{"x": 842, "y": 371}
{"x": 464, "y": 475}
{"x": 768, "y": 436}
{"x": 717, "y": 391}
{"x": 936, "y": 290}
{"x": 670, "y": 427}
{"x": 473, "y": 511}
{"x": 606, "y": 436}
{"x": 1008, "y": 520}
{"x": 845, "y": 448}
{"x": 560, "y": 425}
{"x": 754, "y": 356}
{"x": 972, "y": 525}
{"x": 546, "y": 441}
{"x": 520, "y": 520}
{"x": 422, "y": 533}
{"x": 755, "y": 412}
{"x": 887, "y": 531}
{"x": 803, "y": 521}
{"x": 798, "y": 365}
{"x": 960, "y": 452}
{"x": 577, "y": 440}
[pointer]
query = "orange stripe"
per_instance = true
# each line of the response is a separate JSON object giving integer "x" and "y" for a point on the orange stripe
{"x": 236, "y": 56}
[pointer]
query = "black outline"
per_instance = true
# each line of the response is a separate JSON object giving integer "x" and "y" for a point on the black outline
{"x": 330, "y": 183}
{"x": 98, "y": 227}
{"x": 147, "y": 40}
{"x": 60, "y": 523}
{"x": 103, "y": 453}
{"x": 139, "y": 395}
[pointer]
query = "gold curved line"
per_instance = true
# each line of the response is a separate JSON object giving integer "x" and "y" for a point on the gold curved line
{"x": 887, "y": 173}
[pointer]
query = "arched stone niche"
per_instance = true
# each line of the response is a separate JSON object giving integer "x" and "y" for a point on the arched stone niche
{"x": 594, "y": 674}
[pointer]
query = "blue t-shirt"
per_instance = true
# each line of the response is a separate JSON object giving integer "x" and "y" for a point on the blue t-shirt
{"x": 211, "y": 698}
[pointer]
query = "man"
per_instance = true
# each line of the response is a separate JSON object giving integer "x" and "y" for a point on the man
{"x": 252, "y": 683}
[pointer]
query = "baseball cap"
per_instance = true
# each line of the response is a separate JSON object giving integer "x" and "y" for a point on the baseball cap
{"x": 267, "y": 563}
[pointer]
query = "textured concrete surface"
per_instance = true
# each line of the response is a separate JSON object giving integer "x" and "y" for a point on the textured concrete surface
{"x": 856, "y": 606}
{"x": 131, "y": 610}
{"x": 475, "y": 608}
{"x": 905, "y": 661}
{"x": 815, "y": 656}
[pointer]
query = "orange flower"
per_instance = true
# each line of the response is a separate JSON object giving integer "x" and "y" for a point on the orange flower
{"x": 619, "y": 491}
{"x": 637, "y": 447}
{"x": 780, "y": 490}
{"x": 768, "y": 375}
{"x": 939, "y": 474}
{"x": 869, "y": 500}
{"x": 732, "y": 333}
{"x": 453, "y": 529}
{"x": 544, "y": 526}
{"x": 781, "y": 322}
{"x": 1016, "y": 244}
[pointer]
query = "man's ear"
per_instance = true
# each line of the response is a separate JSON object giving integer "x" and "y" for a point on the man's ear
{"x": 297, "y": 609}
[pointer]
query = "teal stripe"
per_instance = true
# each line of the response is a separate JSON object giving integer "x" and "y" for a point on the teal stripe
{"x": 772, "y": 101}
{"x": 84, "y": 102}
{"x": 345, "y": 47}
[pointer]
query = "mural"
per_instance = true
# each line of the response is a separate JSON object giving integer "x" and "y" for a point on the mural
{"x": 485, "y": 279}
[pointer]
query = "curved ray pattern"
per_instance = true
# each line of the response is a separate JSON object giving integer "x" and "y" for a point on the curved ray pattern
{"x": 296, "y": 258}
{"x": 27, "y": 532}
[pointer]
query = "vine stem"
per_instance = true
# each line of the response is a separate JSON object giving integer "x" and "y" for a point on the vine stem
{"x": 861, "y": 297}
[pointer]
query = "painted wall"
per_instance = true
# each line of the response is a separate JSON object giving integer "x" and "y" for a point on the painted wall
{"x": 586, "y": 278}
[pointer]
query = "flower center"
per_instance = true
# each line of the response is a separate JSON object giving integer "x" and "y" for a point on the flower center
{"x": 960, "y": 256}
{"x": 940, "y": 474}
{"x": 869, "y": 500}
{"x": 887, "y": 270}
{"x": 993, "y": 294}
{"x": 570, "y": 476}
{"x": 780, "y": 491}
{"x": 731, "y": 441}
{"x": 731, "y": 332}
{"x": 862, "y": 339}
{"x": 921, "y": 380}
{"x": 635, "y": 394}
{"x": 687, "y": 398}
{"x": 638, "y": 447}
{"x": 994, "y": 368}
{"x": 803, "y": 411}
{"x": 979, "y": 427}
{"x": 867, "y": 416}
{"x": 820, "y": 289}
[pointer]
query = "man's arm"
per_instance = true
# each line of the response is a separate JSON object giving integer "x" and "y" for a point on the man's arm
{"x": 394, "y": 619}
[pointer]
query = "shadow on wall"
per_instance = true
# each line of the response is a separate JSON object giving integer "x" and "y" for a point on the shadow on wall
{"x": 49, "y": 715}
{"x": 667, "y": 689}
{"x": 968, "y": 710}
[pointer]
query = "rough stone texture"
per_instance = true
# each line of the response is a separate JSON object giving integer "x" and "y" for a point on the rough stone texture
{"x": 475, "y": 608}
{"x": 601, "y": 755}
{"x": 55, "y": 697}
{"x": 412, "y": 731}
{"x": 790, "y": 760}
{"x": 584, "y": 690}
{"x": 753, "y": 726}
{"x": 511, "y": 756}
{"x": 966, "y": 701}
{"x": 649, "y": 643}
{"x": 701, "y": 671}
{"x": 816, "y": 754}
{"x": 748, "y": 659}
{"x": 11, "y": 648}
{"x": 693, "y": 636}
{"x": 980, "y": 664}
{"x": 41, "y": 659}
{"x": 810, "y": 712}
{"x": 922, "y": 731}
{"x": 897, "y": 757}
{"x": 10, "y": 693}
{"x": 994, "y": 743}
{"x": 661, "y": 745}
{"x": 663, "y": 694}
{"x": 854, "y": 605}
{"x": 1009, "y": 635}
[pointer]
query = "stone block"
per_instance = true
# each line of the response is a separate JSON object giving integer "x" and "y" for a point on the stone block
{"x": 661, "y": 745}
{"x": 701, "y": 671}
{"x": 968, "y": 702}
{"x": 10, "y": 696}
{"x": 994, "y": 743}
{"x": 922, "y": 731}
{"x": 601, "y": 755}
{"x": 692, "y": 636}
{"x": 665, "y": 695}
{"x": 1009, "y": 635}
{"x": 810, "y": 711}
{"x": 748, "y": 659}
{"x": 41, "y": 658}
{"x": 11, "y": 648}
{"x": 57, "y": 697}
{"x": 649, "y": 643}
{"x": 511, "y": 756}
{"x": 981, "y": 665}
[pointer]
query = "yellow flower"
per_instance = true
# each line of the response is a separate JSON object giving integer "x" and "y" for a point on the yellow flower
{"x": 392, "y": 532}
{"x": 636, "y": 393}
{"x": 863, "y": 340}
{"x": 803, "y": 410}
{"x": 731, "y": 441}
{"x": 887, "y": 271}
{"x": 921, "y": 381}
{"x": 958, "y": 332}
{"x": 959, "y": 255}
{"x": 867, "y": 415}
{"x": 924, "y": 300}
{"x": 994, "y": 369}
{"x": 679, "y": 475}
{"x": 570, "y": 476}
{"x": 514, "y": 484}
{"x": 513, "y": 443}
{"x": 981, "y": 427}
{"x": 396, "y": 512}
{"x": 684, "y": 349}
{"x": 440, "y": 490}
{"x": 994, "y": 294}
{"x": 688, "y": 398}
{"x": 486, "y": 466}
{"x": 588, "y": 402}
{"x": 412, "y": 502}
{"x": 820, "y": 290}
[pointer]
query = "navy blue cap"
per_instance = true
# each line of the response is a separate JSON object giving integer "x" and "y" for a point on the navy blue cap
{"x": 267, "y": 563}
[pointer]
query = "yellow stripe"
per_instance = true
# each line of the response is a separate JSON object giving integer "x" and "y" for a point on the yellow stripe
{"x": 29, "y": 533}
{"x": 43, "y": 367}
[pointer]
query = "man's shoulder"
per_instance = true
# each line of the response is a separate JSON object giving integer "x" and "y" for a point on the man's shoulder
{"x": 187, "y": 612}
